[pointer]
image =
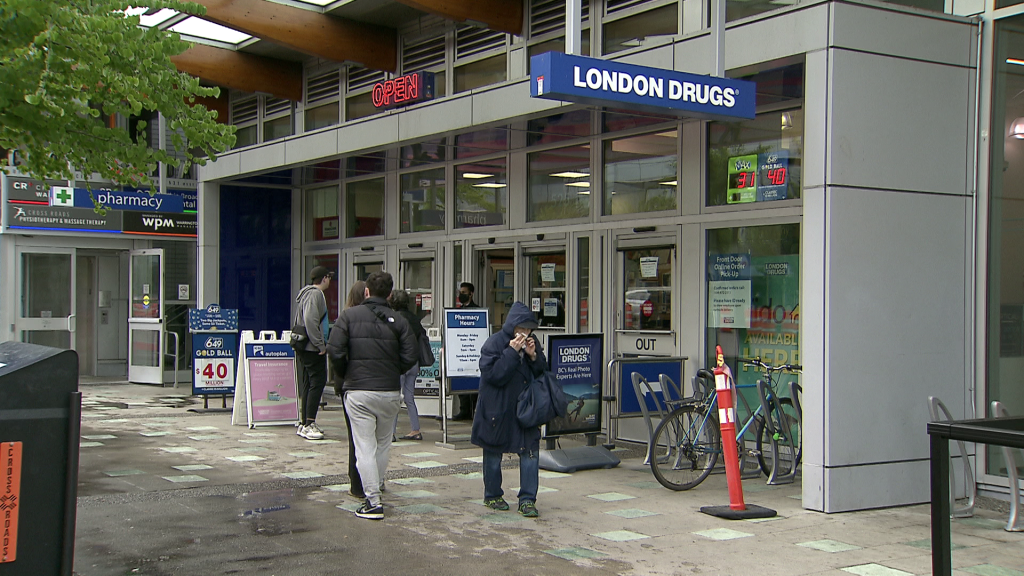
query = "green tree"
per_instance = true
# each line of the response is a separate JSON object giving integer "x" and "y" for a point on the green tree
{"x": 68, "y": 65}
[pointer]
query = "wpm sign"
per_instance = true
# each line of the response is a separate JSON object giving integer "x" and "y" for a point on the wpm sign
{"x": 571, "y": 78}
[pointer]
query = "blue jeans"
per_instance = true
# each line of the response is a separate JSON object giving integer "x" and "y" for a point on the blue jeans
{"x": 529, "y": 479}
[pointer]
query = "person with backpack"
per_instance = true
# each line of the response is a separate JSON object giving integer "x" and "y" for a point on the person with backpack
{"x": 310, "y": 312}
{"x": 400, "y": 303}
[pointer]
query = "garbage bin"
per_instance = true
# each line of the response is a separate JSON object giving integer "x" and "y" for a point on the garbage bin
{"x": 40, "y": 423}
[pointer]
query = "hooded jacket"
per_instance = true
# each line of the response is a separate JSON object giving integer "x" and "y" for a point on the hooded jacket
{"x": 310, "y": 310}
{"x": 367, "y": 352}
{"x": 504, "y": 375}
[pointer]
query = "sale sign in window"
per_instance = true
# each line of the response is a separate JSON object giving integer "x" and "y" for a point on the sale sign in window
{"x": 758, "y": 177}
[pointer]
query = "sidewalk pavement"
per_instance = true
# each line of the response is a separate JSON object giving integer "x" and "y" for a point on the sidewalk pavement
{"x": 163, "y": 490}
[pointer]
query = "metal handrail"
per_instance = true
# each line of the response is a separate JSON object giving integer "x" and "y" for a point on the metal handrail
{"x": 177, "y": 351}
{"x": 1000, "y": 411}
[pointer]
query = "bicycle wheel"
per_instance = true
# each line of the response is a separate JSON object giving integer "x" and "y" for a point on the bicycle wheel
{"x": 789, "y": 439}
{"x": 685, "y": 449}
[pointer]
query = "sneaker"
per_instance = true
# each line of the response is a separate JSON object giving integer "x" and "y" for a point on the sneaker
{"x": 528, "y": 509}
{"x": 371, "y": 512}
{"x": 314, "y": 432}
{"x": 496, "y": 503}
{"x": 301, "y": 430}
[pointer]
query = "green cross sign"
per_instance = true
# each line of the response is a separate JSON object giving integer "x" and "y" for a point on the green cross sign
{"x": 64, "y": 196}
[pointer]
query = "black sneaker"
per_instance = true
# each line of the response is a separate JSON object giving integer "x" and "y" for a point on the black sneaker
{"x": 528, "y": 509}
{"x": 496, "y": 503}
{"x": 371, "y": 512}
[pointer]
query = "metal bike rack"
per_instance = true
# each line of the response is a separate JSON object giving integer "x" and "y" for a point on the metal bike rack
{"x": 639, "y": 383}
{"x": 999, "y": 411}
{"x": 614, "y": 391}
{"x": 935, "y": 406}
{"x": 770, "y": 403}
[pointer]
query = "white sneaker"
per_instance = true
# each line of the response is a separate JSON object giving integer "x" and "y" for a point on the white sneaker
{"x": 313, "y": 432}
{"x": 301, "y": 431}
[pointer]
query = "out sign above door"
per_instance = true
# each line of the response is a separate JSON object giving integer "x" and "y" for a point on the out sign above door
{"x": 646, "y": 343}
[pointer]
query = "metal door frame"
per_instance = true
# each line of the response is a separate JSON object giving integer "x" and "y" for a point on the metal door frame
{"x": 146, "y": 374}
{"x": 30, "y": 324}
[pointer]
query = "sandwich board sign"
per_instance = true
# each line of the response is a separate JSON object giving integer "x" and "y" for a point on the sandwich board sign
{"x": 265, "y": 382}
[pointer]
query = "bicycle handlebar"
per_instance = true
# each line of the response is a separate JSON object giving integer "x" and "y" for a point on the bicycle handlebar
{"x": 780, "y": 368}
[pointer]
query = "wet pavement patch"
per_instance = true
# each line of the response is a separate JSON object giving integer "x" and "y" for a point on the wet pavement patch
{"x": 572, "y": 554}
{"x": 266, "y": 510}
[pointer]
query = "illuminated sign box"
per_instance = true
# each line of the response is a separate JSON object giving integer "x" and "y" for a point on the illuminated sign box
{"x": 404, "y": 90}
{"x": 571, "y": 78}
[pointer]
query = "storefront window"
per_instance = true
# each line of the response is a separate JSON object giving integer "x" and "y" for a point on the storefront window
{"x": 753, "y": 296}
{"x": 246, "y": 136}
{"x": 547, "y": 289}
{"x": 481, "y": 194}
{"x": 560, "y": 184}
{"x": 648, "y": 284}
{"x": 755, "y": 160}
{"x": 614, "y": 120}
{"x": 277, "y": 128}
{"x": 630, "y": 32}
{"x": 359, "y": 106}
{"x": 334, "y": 293}
{"x": 558, "y": 128}
{"x": 418, "y": 281}
{"x": 558, "y": 45}
{"x": 481, "y": 73}
{"x": 423, "y": 201}
{"x": 364, "y": 206}
{"x": 322, "y": 116}
{"x": 640, "y": 173}
{"x": 1005, "y": 345}
{"x": 420, "y": 153}
{"x": 322, "y": 221}
{"x": 366, "y": 164}
{"x": 481, "y": 142}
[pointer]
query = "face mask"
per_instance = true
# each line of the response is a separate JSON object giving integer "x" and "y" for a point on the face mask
{"x": 464, "y": 298}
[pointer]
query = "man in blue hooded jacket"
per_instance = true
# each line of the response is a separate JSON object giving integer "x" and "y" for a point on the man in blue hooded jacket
{"x": 510, "y": 360}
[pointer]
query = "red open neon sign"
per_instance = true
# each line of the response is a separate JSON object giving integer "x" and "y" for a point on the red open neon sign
{"x": 407, "y": 89}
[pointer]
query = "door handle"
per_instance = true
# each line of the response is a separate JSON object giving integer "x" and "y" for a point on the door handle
{"x": 72, "y": 324}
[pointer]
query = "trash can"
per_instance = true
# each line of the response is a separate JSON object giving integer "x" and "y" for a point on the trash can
{"x": 40, "y": 423}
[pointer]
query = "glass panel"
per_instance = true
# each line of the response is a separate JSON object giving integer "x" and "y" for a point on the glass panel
{"x": 559, "y": 184}
{"x": 52, "y": 338}
{"x": 481, "y": 142}
{"x": 1005, "y": 334}
{"x": 933, "y": 5}
{"x": 336, "y": 291}
{"x": 497, "y": 269}
{"x": 277, "y": 128}
{"x": 322, "y": 221}
{"x": 481, "y": 73}
{"x": 457, "y": 263}
{"x": 648, "y": 281}
{"x": 366, "y": 164}
{"x": 440, "y": 88}
{"x": 615, "y": 120}
{"x": 364, "y": 270}
{"x": 419, "y": 282}
{"x": 321, "y": 172}
{"x": 364, "y": 205}
{"x": 784, "y": 84}
{"x": 558, "y": 128}
{"x": 1005, "y": 3}
{"x": 547, "y": 289}
{"x": 145, "y": 347}
{"x": 421, "y": 153}
{"x": 753, "y": 295}
{"x": 481, "y": 194}
{"x": 640, "y": 173}
{"x": 583, "y": 283}
{"x": 322, "y": 116}
{"x": 359, "y": 106}
{"x": 146, "y": 286}
{"x": 558, "y": 45}
{"x": 246, "y": 136}
{"x": 45, "y": 285}
{"x": 423, "y": 201}
{"x": 630, "y": 32}
{"x": 755, "y": 160}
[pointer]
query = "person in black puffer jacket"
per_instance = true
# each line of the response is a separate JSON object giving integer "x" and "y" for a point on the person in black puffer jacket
{"x": 509, "y": 362}
{"x": 371, "y": 347}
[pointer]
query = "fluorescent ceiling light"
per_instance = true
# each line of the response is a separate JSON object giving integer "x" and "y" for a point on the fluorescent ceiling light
{"x": 475, "y": 175}
{"x": 578, "y": 184}
{"x": 489, "y": 185}
{"x": 583, "y": 193}
{"x": 670, "y": 183}
{"x": 570, "y": 175}
{"x": 202, "y": 29}
{"x": 1017, "y": 61}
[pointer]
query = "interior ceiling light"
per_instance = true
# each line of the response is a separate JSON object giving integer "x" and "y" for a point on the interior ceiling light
{"x": 475, "y": 175}
{"x": 570, "y": 174}
{"x": 1017, "y": 128}
{"x": 489, "y": 185}
{"x": 670, "y": 183}
{"x": 578, "y": 184}
{"x": 583, "y": 193}
{"x": 1017, "y": 61}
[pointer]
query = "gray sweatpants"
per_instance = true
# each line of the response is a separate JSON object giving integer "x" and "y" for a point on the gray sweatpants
{"x": 373, "y": 419}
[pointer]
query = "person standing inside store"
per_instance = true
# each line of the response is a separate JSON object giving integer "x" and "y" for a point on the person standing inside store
{"x": 466, "y": 401}
{"x": 310, "y": 312}
{"x": 510, "y": 360}
{"x": 356, "y": 295}
{"x": 400, "y": 304}
{"x": 371, "y": 347}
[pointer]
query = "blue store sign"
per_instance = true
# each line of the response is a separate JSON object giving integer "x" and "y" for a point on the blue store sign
{"x": 571, "y": 78}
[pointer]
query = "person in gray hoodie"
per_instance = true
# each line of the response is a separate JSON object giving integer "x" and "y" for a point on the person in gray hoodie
{"x": 310, "y": 312}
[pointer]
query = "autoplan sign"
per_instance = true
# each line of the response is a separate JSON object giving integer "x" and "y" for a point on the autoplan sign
{"x": 571, "y": 78}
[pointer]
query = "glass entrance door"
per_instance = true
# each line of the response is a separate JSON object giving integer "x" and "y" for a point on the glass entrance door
{"x": 418, "y": 280}
{"x": 145, "y": 317}
{"x": 497, "y": 288}
{"x": 46, "y": 284}
{"x": 644, "y": 319}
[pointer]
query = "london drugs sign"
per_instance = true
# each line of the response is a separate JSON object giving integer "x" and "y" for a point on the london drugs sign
{"x": 404, "y": 90}
{"x": 571, "y": 78}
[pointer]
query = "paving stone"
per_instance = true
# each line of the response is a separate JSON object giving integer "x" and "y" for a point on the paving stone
{"x": 611, "y": 497}
{"x": 983, "y": 523}
{"x": 192, "y": 467}
{"x": 416, "y": 494}
{"x": 89, "y": 444}
{"x": 470, "y": 476}
{"x": 202, "y": 428}
{"x": 304, "y": 454}
{"x": 992, "y": 570}
{"x": 503, "y": 517}
{"x": 349, "y": 506}
{"x": 179, "y": 449}
{"x": 426, "y": 464}
{"x": 620, "y": 536}
{"x": 926, "y": 544}
{"x": 411, "y": 481}
{"x": 645, "y": 485}
{"x": 550, "y": 474}
{"x": 575, "y": 553}
{"x": 420, "y": 454}
{"x": 477, "y": 459}
{"x": 205, "y": 437}
{"x": 157, "y": 433}
{"x": 100, "y": 437}
{"x": 118, "y": 473}
{"x": 185, "y": 478}
{"x": 723, "y": 534}
{"x": 301, "y": 475}
{"x": 829, "y": 546}
{"x": 114, "y": 421}
{"x": 421, "y": 509}
{"x": 632, "y": 513}
{"x": 874, "y": 570}
{"x": 246, "y": 458}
